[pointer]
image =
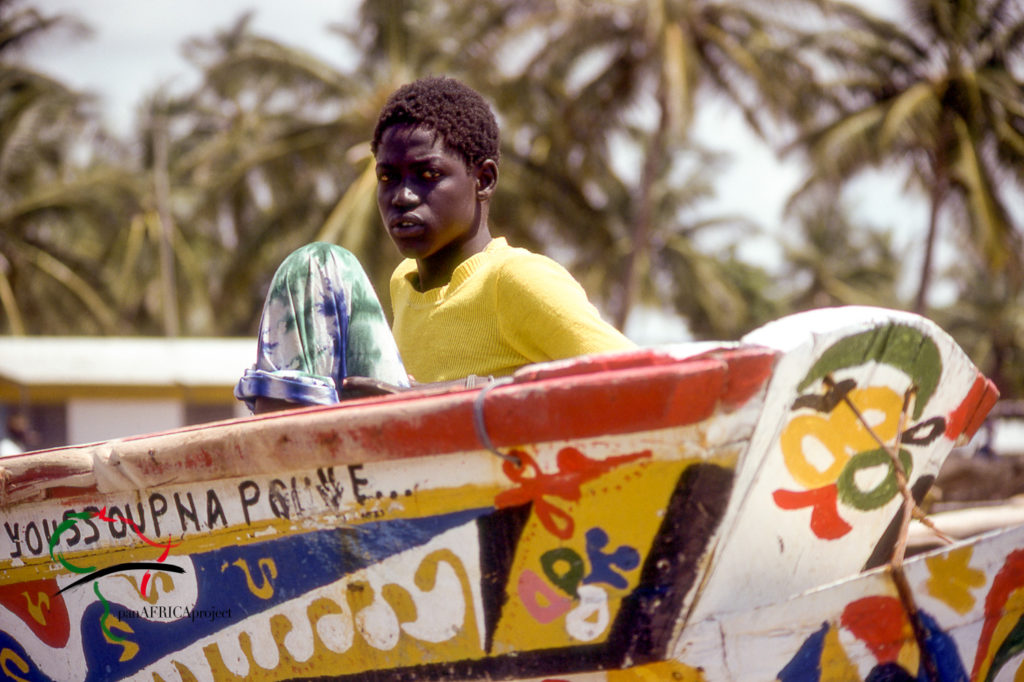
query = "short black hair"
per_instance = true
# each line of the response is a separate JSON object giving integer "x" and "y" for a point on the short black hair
{"x": 457, "y": 112}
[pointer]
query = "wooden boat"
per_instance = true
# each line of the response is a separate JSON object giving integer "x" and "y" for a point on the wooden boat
{"x": 697, "y": 512}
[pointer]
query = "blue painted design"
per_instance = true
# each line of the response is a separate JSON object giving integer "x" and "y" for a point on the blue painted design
{"x": 12, "y": 669}
{"x": 624, "y": 557}
{"x": 942, "y": 649}
{"x": 303, "y": 563}
{"x": 805, "y": 666}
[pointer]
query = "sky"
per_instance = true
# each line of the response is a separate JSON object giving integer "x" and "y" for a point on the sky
{"x": 136, "y": 47}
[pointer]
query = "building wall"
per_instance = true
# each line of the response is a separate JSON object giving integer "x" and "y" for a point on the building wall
{"x": 81, "y": 420}
{"x": 85, "y": 389}
{"x": 96, "y": 420}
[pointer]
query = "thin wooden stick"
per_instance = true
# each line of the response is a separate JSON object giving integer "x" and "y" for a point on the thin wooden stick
{"x": 908, "y": 510}
{"x": 925, "y": 521}
{"x": 909, "y": 504}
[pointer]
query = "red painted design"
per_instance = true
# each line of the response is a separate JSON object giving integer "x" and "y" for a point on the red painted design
{"x": 34, "y": 601}
{"x": 825, "y": 520}
{"x": 574, "y": 469}
{"x": 970, "y": 414}
{"x": 881, "y": 623}
{"x": 1009, "y": 579}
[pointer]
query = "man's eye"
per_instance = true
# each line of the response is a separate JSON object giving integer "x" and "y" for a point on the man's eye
{"x": 383, "y": 177}
{"x": 430, "y": 174}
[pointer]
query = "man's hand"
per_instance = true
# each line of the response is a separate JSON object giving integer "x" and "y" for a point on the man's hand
{"x": 364, "y": 387}
{"x": 264, "y": 405}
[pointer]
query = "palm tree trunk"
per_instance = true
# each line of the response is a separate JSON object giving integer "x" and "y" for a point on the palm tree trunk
{"x": 9, "y": 303}
{"x": 642, "y": 216}
{"x": 938, "y": 195}
{"x": 162, "y": 197}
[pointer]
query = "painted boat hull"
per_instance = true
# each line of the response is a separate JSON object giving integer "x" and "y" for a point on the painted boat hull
{"x": 642, "y": 510}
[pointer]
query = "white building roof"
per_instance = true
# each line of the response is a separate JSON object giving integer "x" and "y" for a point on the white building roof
{"x": 32, "y": 361}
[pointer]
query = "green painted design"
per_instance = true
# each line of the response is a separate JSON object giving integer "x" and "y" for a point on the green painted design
{"x": 852, "y": 495}
{"x": 900, "y": 346}
{"x": 1011, "y": 646}
{"x": 568, "y": 580}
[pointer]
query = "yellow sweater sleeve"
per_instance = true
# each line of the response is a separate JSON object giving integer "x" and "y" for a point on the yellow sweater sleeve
{"x": 544, "y": 313}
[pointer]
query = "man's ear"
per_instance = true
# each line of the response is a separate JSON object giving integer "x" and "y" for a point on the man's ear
{"x": 486, "y": 179}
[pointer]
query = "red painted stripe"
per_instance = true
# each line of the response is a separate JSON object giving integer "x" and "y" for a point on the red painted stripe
{"x": 970, "y": 414}
{"x": 985, "y": 404}
{"x": 641, "y": 357}
{"x": 749, "y": 370}
{"x": 577, "y": 406}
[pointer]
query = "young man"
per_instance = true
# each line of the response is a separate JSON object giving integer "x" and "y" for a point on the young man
{"x": 465, "y": 303}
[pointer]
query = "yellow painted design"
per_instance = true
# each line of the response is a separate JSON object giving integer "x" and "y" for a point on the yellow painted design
{"x": 840, "y": 433}
{"x": 952, "y": 579}
{"x": 1012, "y": 610}
{"x": 268, "y": 572}
{"x": 662, "y": 671}
{"x": 183, "y": 673}
{"x": 909, "y": 656}
{"x": 341, "y": 640}
{"x": 835, "y": 664}
{"x": 100, "y": 557}
{"x": 643, "y": 489}
{"x": 128, "y": 648}
{"x": 628, "y": 504}
{"x": 9, "y": 657}
{"x": 164, "y": 579}
{"x": 36, "y": 609}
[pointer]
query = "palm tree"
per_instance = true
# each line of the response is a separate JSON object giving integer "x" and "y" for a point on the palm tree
{"x": 54, "y": 212}
{"x": 614, "y": 79}
{"x": 838, "y": 262}
{"x": 566, "y": 199}
{"x": 941, "y": 93}
{"x": 987, "y": 321}
{"x": 276, "y": 151}
{"x": 242, "y": 170}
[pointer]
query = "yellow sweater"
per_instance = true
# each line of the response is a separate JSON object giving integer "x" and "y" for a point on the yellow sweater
{"x": 504, "y": 308}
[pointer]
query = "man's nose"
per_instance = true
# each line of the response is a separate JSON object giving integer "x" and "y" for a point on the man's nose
{"x": 404, "y": 196}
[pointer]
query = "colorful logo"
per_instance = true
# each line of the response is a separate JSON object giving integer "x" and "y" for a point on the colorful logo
{"x": 91, "y": 573}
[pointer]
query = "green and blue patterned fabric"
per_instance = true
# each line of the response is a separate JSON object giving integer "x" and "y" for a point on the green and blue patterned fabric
{"x": 321, "y": 322}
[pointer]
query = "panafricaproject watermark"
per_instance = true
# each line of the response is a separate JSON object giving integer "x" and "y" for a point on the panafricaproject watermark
{"x": 93, "y": 574}
{"x": 162, "y": 611}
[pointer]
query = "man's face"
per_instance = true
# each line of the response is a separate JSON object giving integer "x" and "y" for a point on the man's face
{"x": 426, "y": 195}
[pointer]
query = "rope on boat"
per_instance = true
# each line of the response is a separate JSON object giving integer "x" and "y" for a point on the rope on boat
{"x": 481, "y": 427}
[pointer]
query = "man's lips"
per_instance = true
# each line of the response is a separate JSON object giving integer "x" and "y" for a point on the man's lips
{"x": 406, "y": 228}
